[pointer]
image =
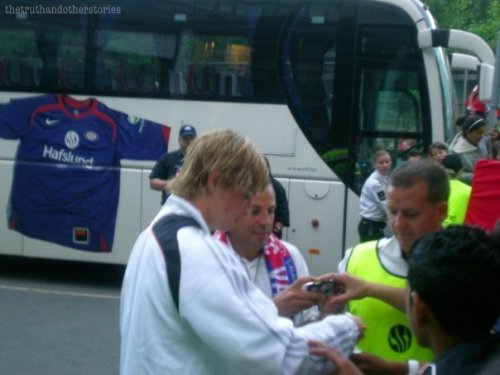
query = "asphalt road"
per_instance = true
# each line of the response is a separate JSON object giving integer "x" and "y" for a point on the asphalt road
{"x": 59, "y": 318}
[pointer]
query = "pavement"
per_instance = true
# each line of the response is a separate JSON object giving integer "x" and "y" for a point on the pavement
{"x": 59, "y": 317}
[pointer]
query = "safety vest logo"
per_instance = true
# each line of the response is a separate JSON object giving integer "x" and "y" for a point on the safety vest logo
{"x": 400, "y": 338}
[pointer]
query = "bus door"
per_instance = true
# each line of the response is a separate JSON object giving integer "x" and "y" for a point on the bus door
{"x": 354, "y": 80}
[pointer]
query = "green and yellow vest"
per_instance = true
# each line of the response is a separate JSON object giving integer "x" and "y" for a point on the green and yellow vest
{"x": 457, "y": 202}
{"x": 387, "y": 333}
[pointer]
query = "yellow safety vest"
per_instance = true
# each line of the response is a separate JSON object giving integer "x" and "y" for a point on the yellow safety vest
{"x": 457, "y": 202}
{"x": 387, "y": 334}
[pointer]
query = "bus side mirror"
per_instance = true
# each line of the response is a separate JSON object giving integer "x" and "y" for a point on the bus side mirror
{"x": 486, "y": 73}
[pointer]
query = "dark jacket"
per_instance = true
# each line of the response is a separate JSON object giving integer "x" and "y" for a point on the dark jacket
{"x": 472, "y": 357}
{"x": 281, "y": 214}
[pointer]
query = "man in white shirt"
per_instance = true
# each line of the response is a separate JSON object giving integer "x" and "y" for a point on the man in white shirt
{"x": 275, "y": 266}
{"x": 187, "y": 302}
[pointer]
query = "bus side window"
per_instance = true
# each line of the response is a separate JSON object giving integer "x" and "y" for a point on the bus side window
{"x": 177, "y": 83}
{"x": 71, "y": 75}
{"x": 12, "y": 74}
{"x": 145, "y": 79}
{"x": 123, "y": 78}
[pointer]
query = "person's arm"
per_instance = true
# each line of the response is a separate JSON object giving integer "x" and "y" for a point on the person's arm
{"x": 295, "y": 299}
{"x": 162, "y": 174}
{"x": 370, "y": 364}
{"x": 159, "y": 174}
{"x": 379, "y": 200}
{"x": 226, "y": 310}
{"x": 342, "y": 364}
{"x": 158, "y": 184}
{"x": 470, "y": 103}
{"x": 362, "y": 363}
{"x": 354, "y": 288}
{"x": 311, "y": 313}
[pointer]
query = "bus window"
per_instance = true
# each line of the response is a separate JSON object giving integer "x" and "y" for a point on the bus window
{"x": 19, "y": 65}
{"x": 388, "y": 102}
{"x": 131, "y": 60}
{"x": 308, "y": 69}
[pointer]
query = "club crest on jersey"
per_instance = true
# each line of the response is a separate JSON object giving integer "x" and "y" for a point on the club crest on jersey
{"x": 71, "y": 139}
{"x": 91, "y": 136}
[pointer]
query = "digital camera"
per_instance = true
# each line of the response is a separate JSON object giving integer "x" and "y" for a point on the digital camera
{"x": 323, "y": 286}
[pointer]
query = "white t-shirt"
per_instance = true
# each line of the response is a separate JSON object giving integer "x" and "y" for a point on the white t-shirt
{"x": 372, "y": 203}
{"x": 259, "y": 275}
{"x": 224, "y": 324}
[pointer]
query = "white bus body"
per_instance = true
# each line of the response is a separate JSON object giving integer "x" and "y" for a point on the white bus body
{"x": 316, "y": 85}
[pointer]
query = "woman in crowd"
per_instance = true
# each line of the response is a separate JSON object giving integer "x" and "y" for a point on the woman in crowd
{"x": 372, "y": 201}
{"x": 438, "y": 151}
{"x": 471, "y": 144}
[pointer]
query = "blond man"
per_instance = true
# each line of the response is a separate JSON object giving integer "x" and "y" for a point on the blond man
{"x": 187, "y": 303}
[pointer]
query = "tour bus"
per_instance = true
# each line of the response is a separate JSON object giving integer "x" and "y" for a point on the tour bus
{"x": 316, "y": 85}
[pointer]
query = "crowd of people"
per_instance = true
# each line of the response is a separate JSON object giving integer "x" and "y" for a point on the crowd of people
{"x": 472, "y": 143}
{"x": 211, "y": 288}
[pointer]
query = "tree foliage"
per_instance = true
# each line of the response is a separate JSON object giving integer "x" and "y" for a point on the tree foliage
{"x": 480, "y": 17}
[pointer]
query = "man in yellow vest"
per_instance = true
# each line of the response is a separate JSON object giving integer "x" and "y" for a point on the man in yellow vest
{"x": 417, "y": 196}
{"x": 450, "y": 303}
{"x": 459, "y": 191}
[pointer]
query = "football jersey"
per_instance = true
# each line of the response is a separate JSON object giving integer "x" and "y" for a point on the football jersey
{"x": 66, "y": 180}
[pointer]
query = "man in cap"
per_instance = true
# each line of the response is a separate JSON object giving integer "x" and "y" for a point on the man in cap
{"x": 170, "y": 163}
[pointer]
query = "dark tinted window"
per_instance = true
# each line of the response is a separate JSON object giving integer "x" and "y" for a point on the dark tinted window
{"x": 214, "y": 50}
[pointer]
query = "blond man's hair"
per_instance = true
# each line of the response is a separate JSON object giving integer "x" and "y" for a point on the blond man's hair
{"x": 241, "y": 166}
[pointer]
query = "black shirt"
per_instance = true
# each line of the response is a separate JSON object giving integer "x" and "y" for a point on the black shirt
{"x": 167, "y": 167}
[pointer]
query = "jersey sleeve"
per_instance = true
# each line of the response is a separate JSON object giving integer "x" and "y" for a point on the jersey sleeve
{"x": 15, "y": 117}
{"x": 138, "y": 138}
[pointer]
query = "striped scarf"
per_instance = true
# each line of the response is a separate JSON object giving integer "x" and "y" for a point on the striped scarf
{"x": 279, "y": 263}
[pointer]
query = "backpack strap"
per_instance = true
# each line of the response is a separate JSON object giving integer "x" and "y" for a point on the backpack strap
{"x": 165, "y": 231}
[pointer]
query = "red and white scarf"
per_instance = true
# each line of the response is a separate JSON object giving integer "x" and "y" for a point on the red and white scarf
{"x": 279, "y": 262}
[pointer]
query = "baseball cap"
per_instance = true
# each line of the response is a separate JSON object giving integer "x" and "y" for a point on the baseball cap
{"x": 187, "y": 131}
{"x": 453, "y": 162}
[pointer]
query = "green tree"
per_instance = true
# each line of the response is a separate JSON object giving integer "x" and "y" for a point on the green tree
{"x": 481, "y": 17}
{"x": 489, "y": 29}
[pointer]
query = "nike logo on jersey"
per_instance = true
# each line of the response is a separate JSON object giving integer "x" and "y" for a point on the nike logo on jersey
{"x": 50, "y": 122}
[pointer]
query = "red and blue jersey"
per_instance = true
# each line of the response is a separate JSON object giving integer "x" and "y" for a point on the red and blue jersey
{"x": 66, "y": 181}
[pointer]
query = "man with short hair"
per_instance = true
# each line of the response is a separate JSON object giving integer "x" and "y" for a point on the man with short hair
{"x": 417, "y": 196}
{"x": 453, "y": 299}
{"x": 170, "y": 164}
{"x": 187, "y": 303}
{"x": 451, "y": 303}
{"x": 275, "y": 266}
{"x": 460, "y": 192}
